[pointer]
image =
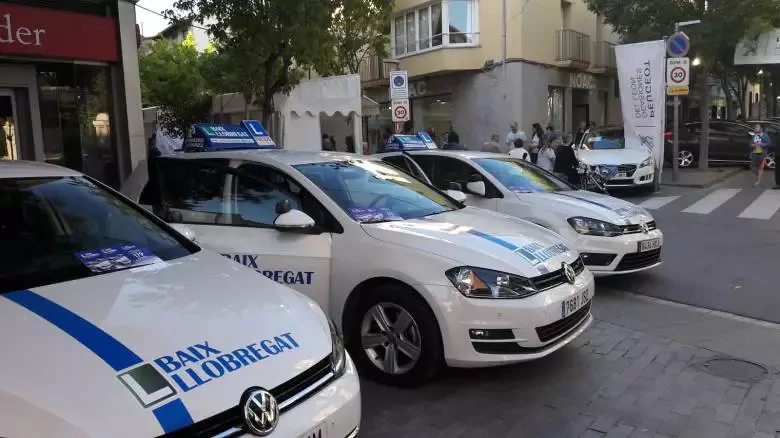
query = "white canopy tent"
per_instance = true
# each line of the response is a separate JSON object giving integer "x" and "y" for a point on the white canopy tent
{"x": 327, "y": 105}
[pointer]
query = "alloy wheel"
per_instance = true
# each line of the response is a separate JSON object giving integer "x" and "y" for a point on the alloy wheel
{"x": 391, "y": 338}
{"x": 770, "y": 161}
{"x": 685, "y": 158}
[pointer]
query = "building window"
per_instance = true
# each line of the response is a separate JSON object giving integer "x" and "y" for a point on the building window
{"x": 447, "y": 23}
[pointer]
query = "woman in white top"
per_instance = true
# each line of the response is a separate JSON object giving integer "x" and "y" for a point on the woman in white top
{"x": 519, "y": 151}
{"x": 546, "y": 159}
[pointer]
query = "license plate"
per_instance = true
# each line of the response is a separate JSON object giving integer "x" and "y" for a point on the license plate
{"x": 575, "y": 303}
{"x": 649, "y": 245}
{"x": 621, "y": 175}
{"x": 320, "y": 431}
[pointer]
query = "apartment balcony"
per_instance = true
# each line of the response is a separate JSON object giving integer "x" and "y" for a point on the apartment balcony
{"x": 573, "y": 49}
{"x": 374, "y": 72}
{"x": 604, "y": 60}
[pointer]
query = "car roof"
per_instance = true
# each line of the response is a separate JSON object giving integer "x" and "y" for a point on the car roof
{"x": 279, "y": 156}
{"x": 32, "y": 169}
{"x": 453, "y": 153}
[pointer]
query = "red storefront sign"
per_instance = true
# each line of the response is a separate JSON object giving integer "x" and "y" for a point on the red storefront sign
{"x": 50, "y": 33}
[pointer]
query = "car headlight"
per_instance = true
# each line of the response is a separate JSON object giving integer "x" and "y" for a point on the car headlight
{"x": 647, "y": 163}
{"x": 594, "y": 227}
{"x": 485, "y": 283}
{"x": 338, "y": 356}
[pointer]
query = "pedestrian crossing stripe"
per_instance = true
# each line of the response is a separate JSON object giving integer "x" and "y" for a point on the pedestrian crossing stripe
{"x": 764, "y": 207}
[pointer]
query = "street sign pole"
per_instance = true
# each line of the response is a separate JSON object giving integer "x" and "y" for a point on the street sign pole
{"x": 676, "y": 131}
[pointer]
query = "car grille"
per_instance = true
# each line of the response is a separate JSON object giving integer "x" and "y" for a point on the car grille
{"x": 639, "y": 260}
{"x": 558, "y": 328}
{"x": 556, "y": 278}
{"x": 628, "y": 169}
{"x": 512, "y": 347}
{"x": 636, "y": 228}
{"x": 230, "y": 423}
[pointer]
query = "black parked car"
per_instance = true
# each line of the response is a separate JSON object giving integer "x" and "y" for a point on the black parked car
{"x": 729, "y": 142}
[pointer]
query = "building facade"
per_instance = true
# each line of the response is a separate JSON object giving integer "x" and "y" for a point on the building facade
{"x": 69, "y": 85}
{"x": 560, "y": 68}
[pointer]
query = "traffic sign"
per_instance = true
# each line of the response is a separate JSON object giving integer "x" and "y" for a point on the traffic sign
{"x": 678, "y": 72}
{"x": 400, "y": 110}
{"x": 680, "y": 90}
{"x": 399, "y": 85}
{"x": 678, "y": 45}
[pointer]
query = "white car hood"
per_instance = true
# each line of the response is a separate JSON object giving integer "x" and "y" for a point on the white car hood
{"x": 612, "y": 157}
{"x": 481, "y": 238}
{"x": 68, "y": 345}
{"x": 588, "y": 204}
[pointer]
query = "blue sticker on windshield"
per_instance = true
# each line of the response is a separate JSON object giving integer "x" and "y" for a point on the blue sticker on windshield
{"x": 370, "y": 214}
{"x": 117, "y": 257}
{"x": 522, "y": 189}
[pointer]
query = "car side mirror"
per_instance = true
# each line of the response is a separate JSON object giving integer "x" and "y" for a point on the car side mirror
{"x": 185, "y": 231}
{"x": 457, "y": 195}
{"x": 477, "y": 188}
{"x": 290, "y": 219}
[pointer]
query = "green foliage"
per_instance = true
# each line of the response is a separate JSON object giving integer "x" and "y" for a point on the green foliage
{"x": 172, "y": 77}
{"x": 263, "y": 46}
{"x": 360, "y": 28}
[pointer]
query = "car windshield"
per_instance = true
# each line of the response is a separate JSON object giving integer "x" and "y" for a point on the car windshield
{"x": 371, "y": 192}
{"x": 606, "y": 139}
{"x": 521, "y": 177}
{"x": 58, "y": 229}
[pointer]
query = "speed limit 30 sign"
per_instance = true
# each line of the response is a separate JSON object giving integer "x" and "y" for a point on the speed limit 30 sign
{"x": 677, "y": 72}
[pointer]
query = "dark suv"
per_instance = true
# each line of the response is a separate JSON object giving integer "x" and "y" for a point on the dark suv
{"x": 729, "y": 142}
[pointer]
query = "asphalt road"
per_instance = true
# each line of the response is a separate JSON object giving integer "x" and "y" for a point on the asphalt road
{"x": 715, "y": 259}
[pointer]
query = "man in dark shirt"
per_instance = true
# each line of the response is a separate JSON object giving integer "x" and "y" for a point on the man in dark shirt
{"x": 566, "y": 160}
{"x": 453, "y": 143}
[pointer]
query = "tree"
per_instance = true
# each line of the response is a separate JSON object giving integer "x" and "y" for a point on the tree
{"x": 264, "y": 45}
{"x": 172, "y": 78}
{"x": 360, "y": 28}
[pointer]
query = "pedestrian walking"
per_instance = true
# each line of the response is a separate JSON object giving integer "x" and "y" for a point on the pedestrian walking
{"x": 453, "y": 143}
{"x": 350, "y": 142}
{"x": 759, "y": 147}
{"x": 566, "y": 162}
{"x": 326, "y": 143}
{"x": 537, "y": 138}
{"x": 513, "y": 135}
{"x": 492, "y": 145}
{"x": 546, "y": 157}
{"x": 518, "y": 151}
{"x": 580, "y": 132}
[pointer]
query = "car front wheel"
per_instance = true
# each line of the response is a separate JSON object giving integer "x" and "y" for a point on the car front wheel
{"x": 394, "y": 337}
{"x": 770, "y": 161}
{"x": 685, "y": 158}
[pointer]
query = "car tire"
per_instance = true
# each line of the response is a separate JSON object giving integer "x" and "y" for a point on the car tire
{"x": 770, "y": 161}
{"x": 686, "y": 158}
{"x": 369, "y": 343}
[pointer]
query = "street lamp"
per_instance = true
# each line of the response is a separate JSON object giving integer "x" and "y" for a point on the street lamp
{"x": 676, "y": 126}
{"x": 696, "y": 61}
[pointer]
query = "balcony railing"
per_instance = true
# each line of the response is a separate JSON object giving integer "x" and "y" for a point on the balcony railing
{"x": 373, "y": 69}
{"x": 604, "y": 56}
{"x": 573, "y": 48}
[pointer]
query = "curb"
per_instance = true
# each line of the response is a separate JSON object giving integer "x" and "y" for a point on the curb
{"x": 725, "y": 175}
{"x": 704, "y": 310}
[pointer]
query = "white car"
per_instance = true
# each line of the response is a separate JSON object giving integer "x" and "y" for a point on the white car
{"x": 415, "y": 278}
{"x": 177, "y": 342}
{"x": 613, "y": 236}
{"x": 605, "y": 149}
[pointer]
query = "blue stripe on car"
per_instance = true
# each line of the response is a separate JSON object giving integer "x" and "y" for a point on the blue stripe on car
{"x": 171, "y": 416}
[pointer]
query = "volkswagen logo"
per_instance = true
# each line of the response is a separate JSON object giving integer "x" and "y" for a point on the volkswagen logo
{"x": 568, "y": 271}
{"x": 261, "y": 412}
{"x": 645, "y": 227}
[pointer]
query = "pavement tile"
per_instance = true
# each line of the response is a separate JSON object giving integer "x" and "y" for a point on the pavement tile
{"x": 685, "y": 406}
{"x": 726, "y": 413}
{"x": 642, "y": 433}
{"x": 768, "y": 422}
{"x": 763, "y": 435}
{"x": 772, "y": 403}
{"x": 743, "y": 426}
{"x": 711, "y": 399}
{"x": 604, "y": 423}
{"x": 735, "y": 395}
{"x": 591, "y": 434}
{"x": 620, "y": 431}
{"x": 752, "y": 406}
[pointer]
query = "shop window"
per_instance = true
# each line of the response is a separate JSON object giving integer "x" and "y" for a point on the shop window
{"x": 451, "y": 22}
{"x": 555, "y": 107}
{"x": 76, "y": 117}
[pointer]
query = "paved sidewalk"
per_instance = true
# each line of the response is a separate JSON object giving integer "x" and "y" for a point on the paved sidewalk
{"x": 636, "y": 373}
{"x": 699, "y": 178}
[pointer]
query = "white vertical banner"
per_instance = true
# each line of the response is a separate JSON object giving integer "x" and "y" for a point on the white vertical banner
{"x": 641, "y": 73}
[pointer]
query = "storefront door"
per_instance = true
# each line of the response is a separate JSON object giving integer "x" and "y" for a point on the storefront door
{"x": 9, "y": 149}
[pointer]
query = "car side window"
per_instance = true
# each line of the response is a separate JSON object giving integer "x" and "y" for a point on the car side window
{"x": 192, "y": 190}
{"x": 404, "y": 164}
{"x": 730, "y": 128}
{"x": 258, "y": 189}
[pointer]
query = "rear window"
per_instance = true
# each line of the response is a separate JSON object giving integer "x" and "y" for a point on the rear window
{"x": 67, "y": 228}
